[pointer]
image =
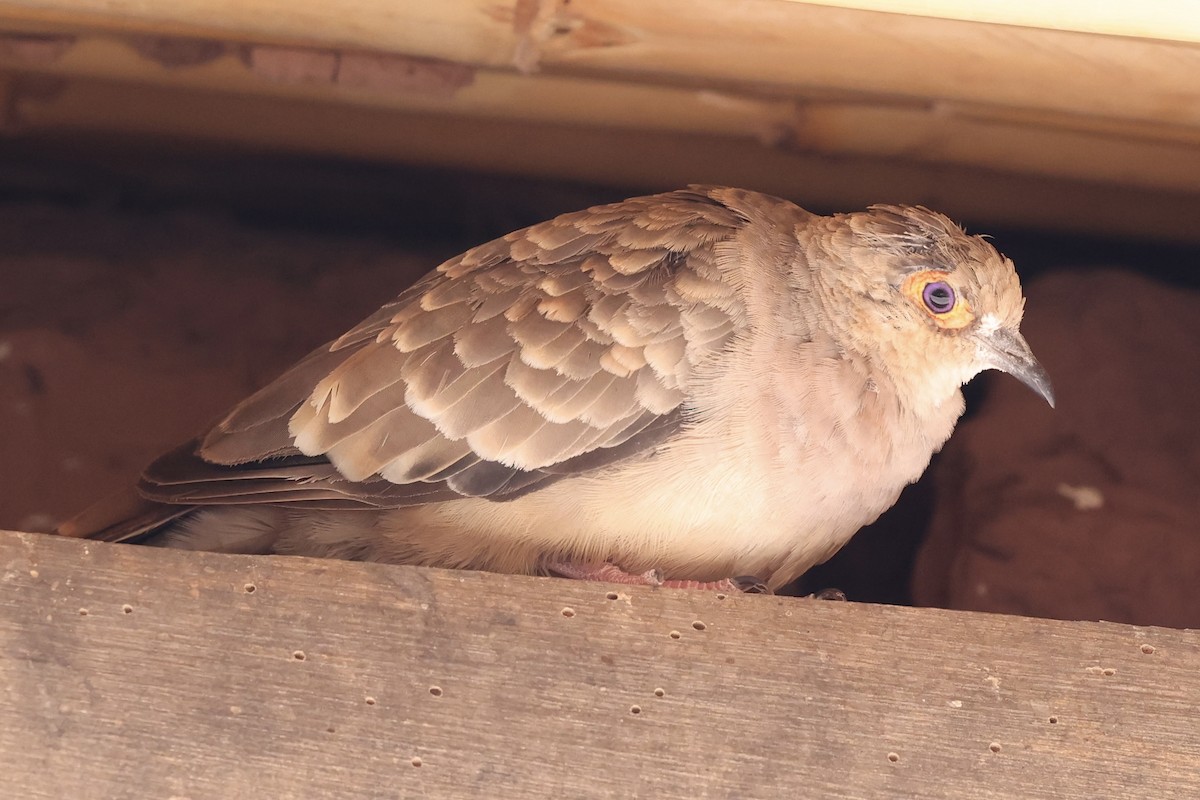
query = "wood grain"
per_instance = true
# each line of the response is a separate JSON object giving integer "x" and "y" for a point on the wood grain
{"x": 1175, "y": 20}
{"x": 765, "y": 92}
{"x": 136, "y": 672}
{"x": 759, "y": 43}
{"x": 1040, "y": 143}
{"x": 627, "y": 159}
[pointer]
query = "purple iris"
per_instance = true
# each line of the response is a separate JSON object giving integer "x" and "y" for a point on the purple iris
{"x": 938, "y": 297}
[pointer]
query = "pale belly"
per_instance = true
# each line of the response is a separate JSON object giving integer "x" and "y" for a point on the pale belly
{"x": 692, "y": 513}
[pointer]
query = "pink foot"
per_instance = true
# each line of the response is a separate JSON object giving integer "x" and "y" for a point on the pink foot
{"x": 611, "y": 573}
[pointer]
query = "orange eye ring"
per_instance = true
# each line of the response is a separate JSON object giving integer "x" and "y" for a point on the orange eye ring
{"x": 933, "y": 293}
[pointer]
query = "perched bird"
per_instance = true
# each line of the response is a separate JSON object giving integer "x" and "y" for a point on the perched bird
{"x": 682, "y": 387}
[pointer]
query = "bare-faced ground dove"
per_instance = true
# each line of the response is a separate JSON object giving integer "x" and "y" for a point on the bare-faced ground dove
{"x": 683, "y": 387}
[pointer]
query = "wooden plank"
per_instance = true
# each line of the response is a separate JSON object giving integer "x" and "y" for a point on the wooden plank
{"x": 138, "y": 672}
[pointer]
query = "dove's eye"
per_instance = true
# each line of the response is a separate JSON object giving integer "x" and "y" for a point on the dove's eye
{"x": 931, "y": 291}
{"x": 938, "y": 297}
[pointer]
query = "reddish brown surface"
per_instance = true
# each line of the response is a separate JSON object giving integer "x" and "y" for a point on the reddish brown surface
{"x": 1091, "y": 511}
{"x": 122, "y": 335}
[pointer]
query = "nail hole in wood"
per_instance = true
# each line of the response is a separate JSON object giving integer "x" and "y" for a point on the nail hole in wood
{"x": 1054, "y": 720}
{"x": 635, "y": 709}
{"x": 994, "y": 747}
{"x": 436, "y": 691}
{"x": 611, "y": 595}
{"x": 568, "y": 612}
{"x": 698, "y": 625}
{"x": 299, "y": 655}
{"x": 659, "y": 693}
{"x": 128, "y": 609}
{"x": 250, "y": 588}
{"x": 1148, "y": 649}
{"x": 416, "y": 762}
{"x": 720, "y": 597}
{"x": 675, "y": 634}
{"x": 83, "y": 612}
{"x": 370, "y": 701}
{"x": 893, "y": 757}
{"x": 1108, "y": 672}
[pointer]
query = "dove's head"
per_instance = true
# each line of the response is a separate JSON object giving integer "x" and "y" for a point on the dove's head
{"x": 943, "y": 305}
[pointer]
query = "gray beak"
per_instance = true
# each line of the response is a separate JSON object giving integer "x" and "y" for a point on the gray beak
{"x": 1008, "y": 351}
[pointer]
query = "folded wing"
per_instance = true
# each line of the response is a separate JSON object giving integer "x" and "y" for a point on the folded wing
{"x": 557, "y": 349}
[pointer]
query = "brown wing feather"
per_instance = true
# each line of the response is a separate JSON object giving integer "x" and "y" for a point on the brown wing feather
{"x": 557, "y": 349}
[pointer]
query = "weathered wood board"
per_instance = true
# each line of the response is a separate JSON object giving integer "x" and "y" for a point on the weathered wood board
{"x": 138, "y": 672}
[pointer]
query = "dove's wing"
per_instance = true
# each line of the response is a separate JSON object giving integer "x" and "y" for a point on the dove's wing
{"x": 557, "y": 349}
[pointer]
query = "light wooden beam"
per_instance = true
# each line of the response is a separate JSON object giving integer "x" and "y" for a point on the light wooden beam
{"x": 637, "y": 159}
{"x": 1169, "y": 20}
{"x": 755, "y": 92}
{"x": 324, "y": 76}
{"x": 779, "y": 44}
{"x": 971, "y": 135}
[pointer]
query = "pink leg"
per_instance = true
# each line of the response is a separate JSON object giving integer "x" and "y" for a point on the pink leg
{"x": 724, "y": 585}
{"x": 611, "y": 573}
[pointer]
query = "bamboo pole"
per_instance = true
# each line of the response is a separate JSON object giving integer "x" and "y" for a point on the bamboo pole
{"x": 1170, "y": 20}
{"x": 777, "y": 44}
{"x": 630, "y": 159}
{"x": 759, "y": 87}
{"x": 323, "y": 76}
{"x": 1131, "y": 154}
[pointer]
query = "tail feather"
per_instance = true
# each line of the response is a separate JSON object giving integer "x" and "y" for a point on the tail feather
{"x": 121, "y": 517}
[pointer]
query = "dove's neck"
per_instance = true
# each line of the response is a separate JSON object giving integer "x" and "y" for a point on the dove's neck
{"x": 927, "y": 386}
